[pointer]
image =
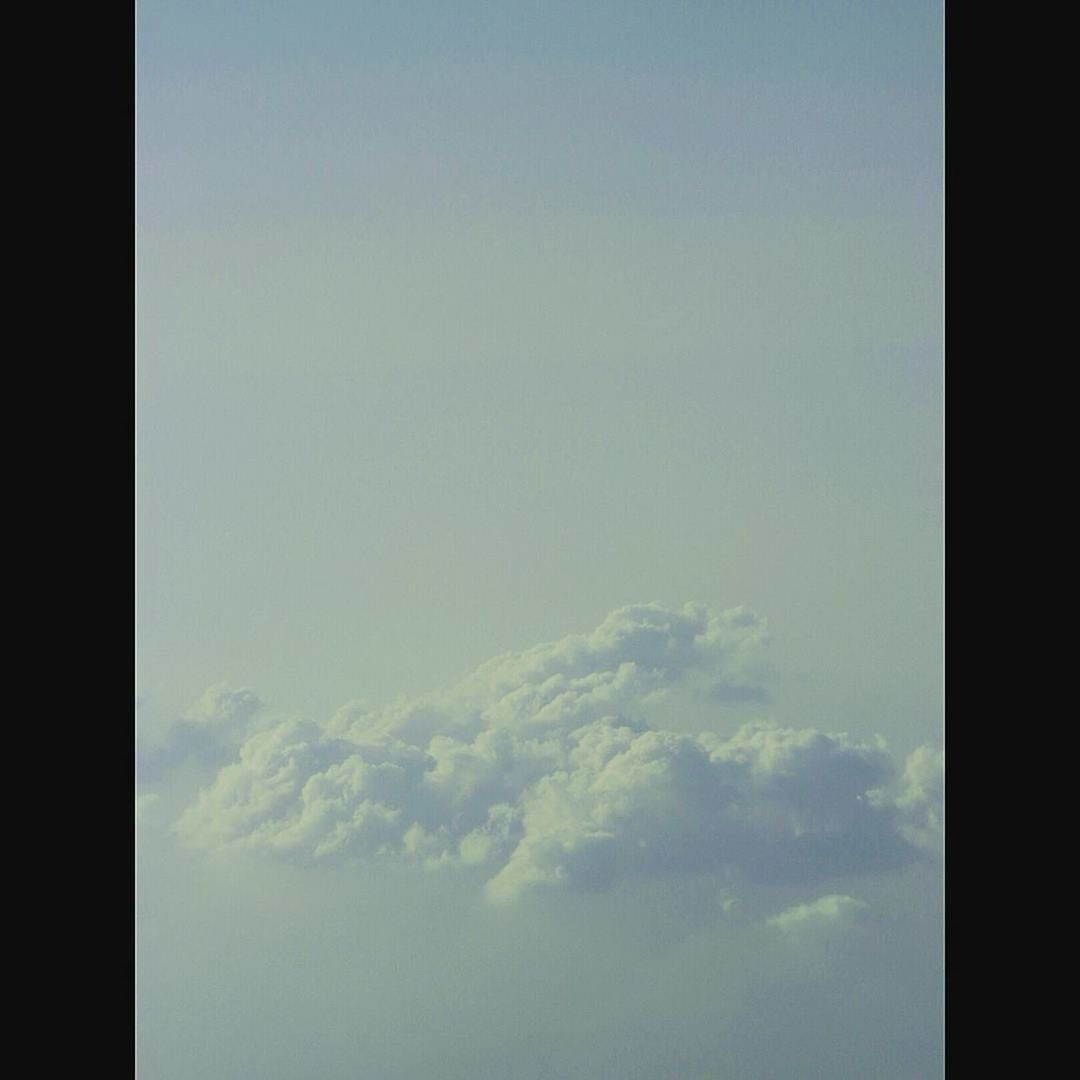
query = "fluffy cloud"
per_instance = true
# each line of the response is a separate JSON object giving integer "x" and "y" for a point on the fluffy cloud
{"x": 223, "y": 709}
{"x": 540, "y": 769}
{"x": 922, "y": 801}
{"x": 210, "y": 732}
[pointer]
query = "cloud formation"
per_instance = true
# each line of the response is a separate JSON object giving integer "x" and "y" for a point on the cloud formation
{"x": 827, "y": 913}
{"x": 540, "y": 769}
{"x": 209, "y": 733}
{"x": 922, "y": 802}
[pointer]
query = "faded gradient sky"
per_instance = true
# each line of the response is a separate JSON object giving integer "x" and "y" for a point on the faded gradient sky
{"x": 461, "y": 325}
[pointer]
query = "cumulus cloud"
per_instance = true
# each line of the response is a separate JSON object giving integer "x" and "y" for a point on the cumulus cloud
{"x": 922, "y": 801}
{"x": 540, "y": 769}
{"x": 223, "y": 709}
{"x": 210, "y": 732}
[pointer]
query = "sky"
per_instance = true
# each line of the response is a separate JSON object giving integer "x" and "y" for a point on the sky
{"x": 539, "y": 528}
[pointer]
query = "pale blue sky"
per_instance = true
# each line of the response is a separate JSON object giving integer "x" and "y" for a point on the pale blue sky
{"x": 461, "y": 325}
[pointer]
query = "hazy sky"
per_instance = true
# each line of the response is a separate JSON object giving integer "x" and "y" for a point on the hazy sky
{"x": 468, "y": 327}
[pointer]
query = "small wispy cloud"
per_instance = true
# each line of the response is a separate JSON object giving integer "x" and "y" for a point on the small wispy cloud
{"x": 823, "y": 915}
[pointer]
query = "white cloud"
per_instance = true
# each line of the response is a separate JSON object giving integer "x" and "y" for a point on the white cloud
{"x": 224, "y": 708}
{"x": 922, "y": 801}
{"x": 540, "y": 769}
{"x": 824, "y": 914}
{"x": 210, "y": 732}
